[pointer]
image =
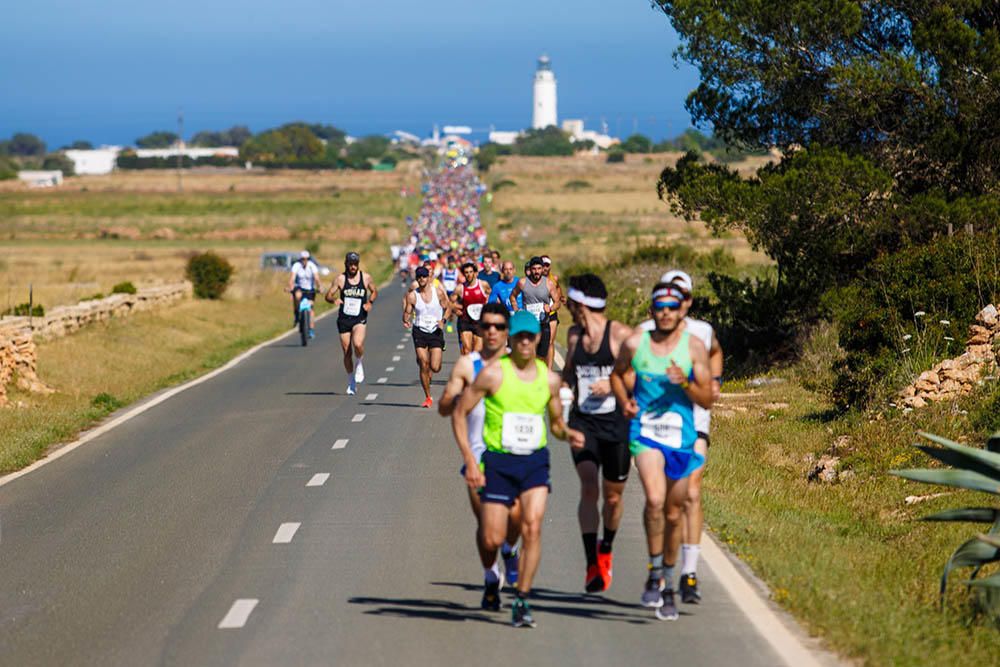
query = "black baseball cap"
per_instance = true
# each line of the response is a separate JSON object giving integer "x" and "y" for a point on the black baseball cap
{"x": 352, "y": 258}
{"x": 535, "y": 261}
{"x": 422, "y": 272}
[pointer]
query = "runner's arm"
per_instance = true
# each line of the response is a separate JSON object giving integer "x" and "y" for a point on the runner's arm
{"x": 372, "y": 289}
{"x": 715, "y": 362}
{"x": 486, "y": 382}
{"x": 619, "y": 383}
{"x": 443, "y": 298}
{"x": 487, "y": 290}
{"x": 556, "y": 293}
{"x": 568, "y": 370}
{"x": 453, "y": 389}
{"x": 408, "y": 303}
{"x": 514, "y": 293}
{"x": 556, "y": 423}
{"x": 699, "y": 389}
{"x": 334, "y": 287}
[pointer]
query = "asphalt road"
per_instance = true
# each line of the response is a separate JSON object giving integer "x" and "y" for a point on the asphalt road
{"x": 315, "y": 528}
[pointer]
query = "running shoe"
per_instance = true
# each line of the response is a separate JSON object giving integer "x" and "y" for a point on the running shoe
{"x": 510, "y": 565}
{"x": 312, "y": 333}
{"x": 491, "y": 597}
{"x": 651, "y": 597}
{"x": 604, "y": 561}
{"x": 359, "y": 373}
{"x": 667, "y": 611}
{"x": 594, "y": 582}
{"x": 428, "y": 402}
{"x": 351, "y": 387}
{"x": 689, "y": 589}
{"x": 520, "y": 614}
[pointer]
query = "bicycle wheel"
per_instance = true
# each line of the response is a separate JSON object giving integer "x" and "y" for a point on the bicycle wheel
{"x": 304, "y": 327}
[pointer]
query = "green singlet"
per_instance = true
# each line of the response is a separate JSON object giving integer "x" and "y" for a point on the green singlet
{"x": 515, "y": 415}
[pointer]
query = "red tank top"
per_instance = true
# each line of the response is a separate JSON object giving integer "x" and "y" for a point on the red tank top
{"x": 472, "y": 295}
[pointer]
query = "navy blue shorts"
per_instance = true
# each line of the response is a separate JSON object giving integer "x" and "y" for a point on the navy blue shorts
{"x": 510, "y": 475}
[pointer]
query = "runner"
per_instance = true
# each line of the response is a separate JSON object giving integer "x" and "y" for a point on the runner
{"x": 694, "y": 517}
{"x": 493, "y": 328}
{"x": 505, "y": 286}
{"x": 593, "y": 343}
{"x": 449, "y": 280}
{"x": 488, "y": 273}
{"x": 304, "y": 282}
{"x": 356, "y": 292}
{"x": 539, "y": 294}
{"x": 431, "y": 307}
{"x": 554, "y": 314}
{"x": 671, "y": 375}
{"x": 518, "y": 389}
{"x": 472, "y": 295}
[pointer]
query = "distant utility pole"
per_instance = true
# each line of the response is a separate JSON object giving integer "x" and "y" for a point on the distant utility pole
{"x": 180, "y": 144}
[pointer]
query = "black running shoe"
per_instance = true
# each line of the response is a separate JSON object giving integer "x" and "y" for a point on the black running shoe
{"x": 668, "y": 610}
{"x": 689, "y": 589}
{"x": 520, "y": 614}
{"x": 651, "y": 595}
{"x": 491, "y": 597}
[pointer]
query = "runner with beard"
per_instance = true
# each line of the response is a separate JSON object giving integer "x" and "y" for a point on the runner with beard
{"x": 539, "y": 294}
{"x": 355, "y": 294}
{"x": 471, "y": 295}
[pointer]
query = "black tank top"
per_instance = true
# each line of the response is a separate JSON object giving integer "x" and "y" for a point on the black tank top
{"x": 598, "y": 414}
{"x": 358, "y": 295}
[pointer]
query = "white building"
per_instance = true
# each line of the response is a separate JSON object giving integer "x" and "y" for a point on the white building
{"x": 41, "y": 179}
{"x": 503, "y": 137}
{"x": 574, "y": 127}
{"x": 544, "y": 109}
{"x": 95, "y": 161}
{"x": 193, "y": 153}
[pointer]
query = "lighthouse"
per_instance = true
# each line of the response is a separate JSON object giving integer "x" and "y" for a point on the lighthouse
{"x": 544, "y": 110}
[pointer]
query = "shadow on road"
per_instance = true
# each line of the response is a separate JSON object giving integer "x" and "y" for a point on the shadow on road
{"x": 395, "y": 405}
{"x": 314, "y": 393}
{"x": 437, "y": 610}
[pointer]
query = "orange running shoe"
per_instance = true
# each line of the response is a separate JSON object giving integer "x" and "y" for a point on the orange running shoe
{"x": 604, "y": 561}
{"x": 428, "y": 402}
{"x": 594, "y": 583}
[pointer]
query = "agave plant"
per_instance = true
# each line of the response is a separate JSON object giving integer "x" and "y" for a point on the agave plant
{"x": 978, "y": 470}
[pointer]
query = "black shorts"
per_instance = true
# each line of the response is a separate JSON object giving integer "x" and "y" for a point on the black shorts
{"x": 704, "y": 436}
{"x": 424, "y": 339}
{"x": 554, "y": 317}
{"x": 467, "y": 325}
{"x": 307, "y": 293}
{"x": 611, "y": 456}
{"x": 510, "y": 475}
{"x": 347, "y": 324}
{"x": 543, "y": 345}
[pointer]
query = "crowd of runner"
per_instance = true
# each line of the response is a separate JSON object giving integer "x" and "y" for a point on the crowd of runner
{"x": 628, "y": 396}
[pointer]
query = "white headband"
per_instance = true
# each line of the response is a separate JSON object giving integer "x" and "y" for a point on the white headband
{"x": 669, "y": 291}
{"x": 589, "y": 301}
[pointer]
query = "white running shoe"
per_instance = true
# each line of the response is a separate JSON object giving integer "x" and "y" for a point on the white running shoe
{"x": 359, "y": 373}
{"x": 351, "y": 387}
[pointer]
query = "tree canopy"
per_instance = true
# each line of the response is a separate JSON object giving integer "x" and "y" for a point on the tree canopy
{"x": 547, "y": 141}
{"x": 159, "y": 139}
{"x": 289, "y": 143}
{"x": 23, "y": 145}
{"x": 234, "y": 136}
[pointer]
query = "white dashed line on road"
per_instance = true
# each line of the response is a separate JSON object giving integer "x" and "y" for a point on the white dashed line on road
{"x": 360, "y": 417}
{"x": 371, "y": 397}
{"x": 396, "y": 358}
{"x": 286, "y": 532}
{"x": 319, "y": 479}
{"x": 400, "y": 347}
{"x": 340, "y": 444}
{"x": 238, "y": 614}
{"x": 389, "y": 369}
{"x": 381, "y": 380}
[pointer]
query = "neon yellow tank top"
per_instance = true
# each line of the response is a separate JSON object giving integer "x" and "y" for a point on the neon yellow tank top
{"x": 515, "y": 415}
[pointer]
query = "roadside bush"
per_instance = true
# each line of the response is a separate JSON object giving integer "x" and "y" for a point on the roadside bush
{"x": 908, "y": 310}
{"x": 577, "y": 185}
{"x": 24, "y": 309}
{"x": 210, "y": 274}
{"x": 8, "y": 170}
{"x": 616, "y": 155}
{"x": 105, "y": 402}
{"x": 123, "y": 288}
{"x": 505, "y": 183}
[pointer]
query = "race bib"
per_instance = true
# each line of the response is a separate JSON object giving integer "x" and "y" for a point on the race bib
{"x": 474, "y": 311}
{"x": 590, "y": 404}
{"x": 664, "y": 428}
{"x": 522, "y": 433}
{"x": 450, "y": 285}
{"x": 536, "y": 309}
{"x": 352, "y": 306}
{"x": 427, "y": 322}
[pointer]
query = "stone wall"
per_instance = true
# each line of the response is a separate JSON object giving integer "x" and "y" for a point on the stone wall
{"x": 957, "y": 377}
{"x": 18, "y": 353}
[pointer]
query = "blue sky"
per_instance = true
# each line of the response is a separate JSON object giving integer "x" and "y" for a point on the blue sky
{"x": 111, "y": 70}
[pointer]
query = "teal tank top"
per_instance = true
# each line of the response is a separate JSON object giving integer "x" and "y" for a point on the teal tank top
{"x": 666, "y": 414}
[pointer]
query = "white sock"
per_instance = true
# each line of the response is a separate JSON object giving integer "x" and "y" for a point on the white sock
{"x": 357, "y": 362}
{"x": 492, "y": 574}
{"x": 689, "y": 558}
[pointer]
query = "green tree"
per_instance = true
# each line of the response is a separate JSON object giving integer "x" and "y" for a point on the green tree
{"x": 8, "y": 169}
{"x": 370, "y": 147}
{"x": 637, "y": 143}
{"x": 234, "y": 136}
{"x": 290, "y": 143}
{"x": 548, "y": 141}
{"x": 61, "y": 162}
{"x": 160, "y": 139}
{"x": 25, "y": 145}
{"x": 79, "y": 145}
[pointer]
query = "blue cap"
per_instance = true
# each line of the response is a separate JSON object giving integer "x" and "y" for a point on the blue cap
{"x": 523, "y": 321}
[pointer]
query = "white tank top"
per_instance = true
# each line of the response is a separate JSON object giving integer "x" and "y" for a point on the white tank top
{"x": 429, "y": 314}
{"x": 477, "y": 417}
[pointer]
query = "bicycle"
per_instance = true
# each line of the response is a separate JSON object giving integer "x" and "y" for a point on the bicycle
{"x": 305, "y": 319}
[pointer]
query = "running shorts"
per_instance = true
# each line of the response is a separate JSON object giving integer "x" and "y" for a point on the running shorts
{"x": 510, "y": 475}
{"x": 467, "y": 325}
{"x": 677, "y": 463}
{"x": 543, "y": 345}
{"x": 611, "y": 456}
{"x": 704, "y": 436}
{"x": 347, "y": 324}
{"x": 424, "y": 339}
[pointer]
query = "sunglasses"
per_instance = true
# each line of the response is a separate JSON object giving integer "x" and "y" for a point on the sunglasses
{"x": 499, "y": 326}
{"x": 669, "y": 305}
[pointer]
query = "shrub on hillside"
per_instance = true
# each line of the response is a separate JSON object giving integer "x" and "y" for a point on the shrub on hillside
{"x": 616, "y": 154}
{"x": 123, "y": 288}
{"x": 210, "y": 274}
{"x": 908, "y": 310}
{"x": 24, "y": 309}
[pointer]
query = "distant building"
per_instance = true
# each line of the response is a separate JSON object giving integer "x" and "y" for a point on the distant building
{"x": 504, "y": 138}
{"x": 41, "y": 179}
{"x": 95, "y": 161}
{"x": 574, "y": 127}
{"x": 544, "y": 108}
{"x": 193, "y": 153}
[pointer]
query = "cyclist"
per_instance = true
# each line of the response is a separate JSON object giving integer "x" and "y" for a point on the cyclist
{"x": 356, "y": 292}
{"x": 303, "y": 282}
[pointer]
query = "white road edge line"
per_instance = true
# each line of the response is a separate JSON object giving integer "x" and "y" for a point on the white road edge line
{"x": 319, "y": 479}
{"x": 238, "y": 614}
{"x": 360, "y": 417}
{"x": 286, "y": 532}
{"x": 757, "y": 612}
{"x": 98, "y": 431}
{"x": 340, "y": 444}
{"x": 371, "y": 397}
